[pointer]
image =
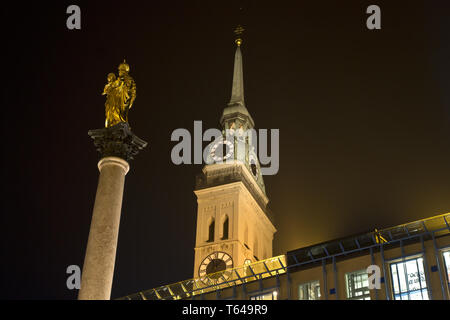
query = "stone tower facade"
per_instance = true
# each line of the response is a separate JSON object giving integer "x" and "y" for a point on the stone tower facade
{"x": 234, "y": 225}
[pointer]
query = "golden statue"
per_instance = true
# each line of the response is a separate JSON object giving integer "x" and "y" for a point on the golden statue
{"x": 120, "y": 95}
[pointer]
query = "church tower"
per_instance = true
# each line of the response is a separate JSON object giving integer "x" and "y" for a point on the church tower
{"x": 234, "y": 225}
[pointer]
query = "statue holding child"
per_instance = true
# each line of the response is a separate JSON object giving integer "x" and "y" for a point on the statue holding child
{"x": 120, "y": 94}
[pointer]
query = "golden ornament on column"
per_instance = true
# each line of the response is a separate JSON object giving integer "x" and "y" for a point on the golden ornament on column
{"x": 120, "y": 94}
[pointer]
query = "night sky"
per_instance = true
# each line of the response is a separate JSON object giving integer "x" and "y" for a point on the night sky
{"x": 364, "y": 120}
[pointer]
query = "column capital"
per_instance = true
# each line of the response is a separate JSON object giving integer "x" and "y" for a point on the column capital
{"x": 117, "y": 141}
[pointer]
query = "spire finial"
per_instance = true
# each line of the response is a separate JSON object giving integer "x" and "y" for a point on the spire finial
{"x": 238, "y": 32}
{"x": 237, "y": 92}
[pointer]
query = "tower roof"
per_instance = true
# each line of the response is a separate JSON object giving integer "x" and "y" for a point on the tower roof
{"x": 237, "y": 91}
{"x": 236, "y": 107}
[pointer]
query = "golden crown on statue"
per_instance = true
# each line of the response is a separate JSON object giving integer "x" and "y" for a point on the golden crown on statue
{"x": 124, "y": 66}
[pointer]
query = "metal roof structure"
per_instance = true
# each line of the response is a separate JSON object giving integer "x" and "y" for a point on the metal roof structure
{"x": 215, "y": 281}
{"x": 416, "y": 231}
{"x": 427, "y": 228}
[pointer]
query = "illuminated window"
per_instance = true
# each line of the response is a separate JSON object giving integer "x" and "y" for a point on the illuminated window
{"x": 273, "y": 295}
{"x": 309, "y": 291}
{"x": 446, "y": 256}
{"x": 357, "y": 285}
{"x": 408, "y": 280}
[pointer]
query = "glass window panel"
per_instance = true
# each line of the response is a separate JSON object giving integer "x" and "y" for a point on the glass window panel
{"x": 410, "y": 277}
{"x": 302, "y": 293}
{"x": 309, "y": 294}
{"x": 422, "y": 274}
{"x": 309, "y": 291}
{"x": 415, "y": 295}
{"x": 394, "y": 278}
{"x": 446, "y": 255}
{"x": 316, "y": 290}
{"x": 357, "y": 285}
{"x": 402, "y": 277}
{"x": 266, "y": 296}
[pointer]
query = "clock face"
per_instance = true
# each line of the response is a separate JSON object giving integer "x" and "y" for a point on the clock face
{"x": 213, "y": 268}
{"x": 222, "y": 150}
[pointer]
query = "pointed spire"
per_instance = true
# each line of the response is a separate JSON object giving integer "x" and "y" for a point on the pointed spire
{"x": 237, "y": 92}
{"x": 236, "y": 111}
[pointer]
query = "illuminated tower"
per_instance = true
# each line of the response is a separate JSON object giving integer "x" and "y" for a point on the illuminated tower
{"x": 234, "y": 225}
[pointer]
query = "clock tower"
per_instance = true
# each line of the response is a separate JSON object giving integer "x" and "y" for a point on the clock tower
{"x": 234, "y": 224}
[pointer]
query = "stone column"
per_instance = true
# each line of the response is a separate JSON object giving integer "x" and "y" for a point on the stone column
{"x": 115, "y": 145}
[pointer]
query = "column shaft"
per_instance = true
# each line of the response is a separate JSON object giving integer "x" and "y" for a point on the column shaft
{"x": 98, "y": 268}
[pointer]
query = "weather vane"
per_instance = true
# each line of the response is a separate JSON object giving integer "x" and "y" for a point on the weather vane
{"x": 238, "y": 32}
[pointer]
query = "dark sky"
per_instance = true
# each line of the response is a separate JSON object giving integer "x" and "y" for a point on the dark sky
{"x": 364, "y": 120}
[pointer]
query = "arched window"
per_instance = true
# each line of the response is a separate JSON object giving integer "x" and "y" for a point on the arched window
{"x": 225, "y": 228}
{"x": 211, "y": 228}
